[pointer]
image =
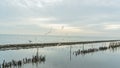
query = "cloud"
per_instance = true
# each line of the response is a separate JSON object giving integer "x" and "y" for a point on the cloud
{"x": 42, "y": 19}
{"x": 81, "y": 17}
{"x": 105, "y": 3}
{"x": 31, "y": 3}
{"x": 112, "y": 26}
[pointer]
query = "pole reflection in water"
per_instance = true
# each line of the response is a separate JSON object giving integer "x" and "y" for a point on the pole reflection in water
{"x": 19, "y": 63}
{"x": 61, "y": 57}
{"x": 112, "y": 45}
{"x": 70, "y": 52}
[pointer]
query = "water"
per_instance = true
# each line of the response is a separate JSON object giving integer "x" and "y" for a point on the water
{"x": 20, "y": 39}
{"x": 63, "y": 57}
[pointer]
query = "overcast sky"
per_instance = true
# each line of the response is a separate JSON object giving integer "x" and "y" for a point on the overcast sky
{"x": 60, "y": 17}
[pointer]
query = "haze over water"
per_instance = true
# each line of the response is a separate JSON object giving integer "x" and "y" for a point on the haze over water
{"x": 24, "y": 39}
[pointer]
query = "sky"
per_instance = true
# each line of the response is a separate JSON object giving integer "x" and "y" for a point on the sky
{"x": 60, "y": 17}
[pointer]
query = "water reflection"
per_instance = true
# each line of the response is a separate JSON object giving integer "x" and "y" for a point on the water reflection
{"x": 14, "y": 63}
{"x": 112, "y": 45}
{"x": 63, "y": 57}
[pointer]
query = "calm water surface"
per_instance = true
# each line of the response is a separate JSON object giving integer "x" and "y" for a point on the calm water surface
{"x": 64, "y": 57}
{"x": 20, "y": 39}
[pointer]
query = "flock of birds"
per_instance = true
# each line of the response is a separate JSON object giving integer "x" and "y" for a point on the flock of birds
{"x": 50, "y": 31}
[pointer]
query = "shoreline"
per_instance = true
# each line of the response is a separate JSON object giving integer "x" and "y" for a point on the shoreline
{"x": 41, "y": 45}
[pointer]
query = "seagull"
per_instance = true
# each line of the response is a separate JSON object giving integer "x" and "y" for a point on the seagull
{"x": 29, "y": 41}
{"x": 49, "y": 31}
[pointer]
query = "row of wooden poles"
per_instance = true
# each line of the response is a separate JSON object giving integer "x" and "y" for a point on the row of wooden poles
{"x": 112, "y": 45}
{"x": 14, "y": 63}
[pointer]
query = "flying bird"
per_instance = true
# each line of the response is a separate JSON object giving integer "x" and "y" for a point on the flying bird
{"x": 29, "y": 41}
